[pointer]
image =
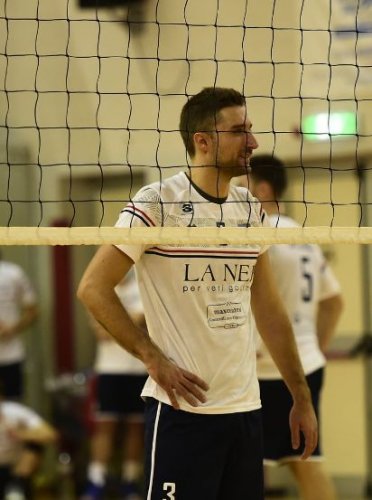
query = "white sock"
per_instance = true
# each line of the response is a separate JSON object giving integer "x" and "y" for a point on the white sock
{"x": 97, "y": 473}
{"x": 131, "y": 470}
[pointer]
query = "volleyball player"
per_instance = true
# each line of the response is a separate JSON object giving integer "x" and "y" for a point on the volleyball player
{"x": 203, "y": 423}
{"x": 23, "y": 436}
{"x": 313, "y": 300}
{"x": 18, "y": 311}
{"x": 120, "y": 378}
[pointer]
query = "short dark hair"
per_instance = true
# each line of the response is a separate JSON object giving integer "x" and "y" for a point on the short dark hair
{"x": 201, "y": 112}
{"x": 269, "y": 168}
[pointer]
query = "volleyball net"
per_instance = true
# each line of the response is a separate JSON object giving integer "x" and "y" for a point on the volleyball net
{"x": 91, "y": 94}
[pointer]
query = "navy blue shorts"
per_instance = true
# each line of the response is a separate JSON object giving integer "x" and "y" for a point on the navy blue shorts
{"x": 11, "y": 376}
{"x": 119, "y": 395}
{"x": 276, "y": 405}
{"x": 193, "y": 456}
{"x": 5, "y": 477}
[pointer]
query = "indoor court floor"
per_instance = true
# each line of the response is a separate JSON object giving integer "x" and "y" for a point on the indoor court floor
{"x": 340, "y": 497}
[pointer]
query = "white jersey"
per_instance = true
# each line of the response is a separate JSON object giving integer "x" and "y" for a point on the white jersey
{"x": 197, "y": 298}
{"x": 14, "y": 415}
{"x": 110, "y": 357}
{"x": 16, "y": 292}
{"x": 303, "y": 279}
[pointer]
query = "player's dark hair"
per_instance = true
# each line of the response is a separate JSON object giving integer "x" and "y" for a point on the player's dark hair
{"x": 201, "y": 112}
{"x": 269, "y": 168}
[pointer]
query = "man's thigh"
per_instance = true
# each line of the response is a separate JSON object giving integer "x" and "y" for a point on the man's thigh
{"x": 243, "y": 474}
{"x": 201, "y": 457}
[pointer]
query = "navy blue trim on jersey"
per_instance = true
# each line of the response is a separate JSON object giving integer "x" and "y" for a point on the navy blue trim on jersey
{"x": 208, "y": 197}
{"x": 203, "y": 253}
{"x": 135, "y": 214}
{"x": 198, "y": 256}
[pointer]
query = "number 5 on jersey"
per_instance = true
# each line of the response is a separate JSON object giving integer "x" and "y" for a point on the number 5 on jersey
{"x": 307, "y": 291}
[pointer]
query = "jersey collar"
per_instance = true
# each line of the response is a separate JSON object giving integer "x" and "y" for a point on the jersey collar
{"x": 205, "y": 195}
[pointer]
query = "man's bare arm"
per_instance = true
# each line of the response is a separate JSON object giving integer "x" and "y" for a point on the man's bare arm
{"x": 329, "y": 312}
{"x": 28, "y": 316}
{"x": 276, "y": 331}
{"x": 97, "y": 292}
{"x": 43, "y": 433}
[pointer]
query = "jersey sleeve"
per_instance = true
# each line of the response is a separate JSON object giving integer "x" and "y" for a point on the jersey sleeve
{"x": 329, "y": 285}
{"x": 145, "y": 210}
{"x": 18, "y": 413}
{"x": 128, "y": 292}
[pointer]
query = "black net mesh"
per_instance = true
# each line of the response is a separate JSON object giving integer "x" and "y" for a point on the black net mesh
{"x": 91, "y": 96}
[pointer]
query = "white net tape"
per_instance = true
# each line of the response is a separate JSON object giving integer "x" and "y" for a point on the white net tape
{"x": 182, "y": 236}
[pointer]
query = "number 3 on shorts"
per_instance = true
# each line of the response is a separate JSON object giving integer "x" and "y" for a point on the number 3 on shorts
{"x": 170, "y": 488}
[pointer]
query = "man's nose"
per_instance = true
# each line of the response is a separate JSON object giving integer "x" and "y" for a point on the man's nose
{"x": 252, "y": 141}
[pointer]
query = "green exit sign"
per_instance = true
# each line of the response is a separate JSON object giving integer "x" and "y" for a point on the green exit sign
{"x": 323, "y": 126}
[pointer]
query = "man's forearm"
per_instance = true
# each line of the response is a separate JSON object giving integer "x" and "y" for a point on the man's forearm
{"x": 28, "y": 316}
{"x": 275, "y": 328}
{"x": 329, "y": 312}
{"x": 42, "y": 434}
{"x": 97, "y": 292}
{"x": 280, "y": 342}
{"x": 107, "y": 310}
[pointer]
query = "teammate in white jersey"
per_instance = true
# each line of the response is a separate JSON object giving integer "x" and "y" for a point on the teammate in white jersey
{"x": 312, "y": 297}
{"x": 203, "y": 421}
{"x": 119, "y": 380}
{"x": 18, "y": 311}
{"x": 23, "y": 435}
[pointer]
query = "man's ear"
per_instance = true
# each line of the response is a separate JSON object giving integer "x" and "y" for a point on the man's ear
{"x": 263, "y": 191}
{"x": 202, "y": 141}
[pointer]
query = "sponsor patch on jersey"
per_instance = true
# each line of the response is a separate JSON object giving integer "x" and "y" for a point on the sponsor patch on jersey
{"x": 227, "y": 315}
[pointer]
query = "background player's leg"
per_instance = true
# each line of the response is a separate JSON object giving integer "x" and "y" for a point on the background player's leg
{"x": 21, "y": 477}
{"x": 132, "y": 467}
{"x": 101, "y": 443}
{"x": 313, "y": 480}
{"x": 5, "y": 474}
{"x": 100, "y": 454}
{"x": 27, "y": 464}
